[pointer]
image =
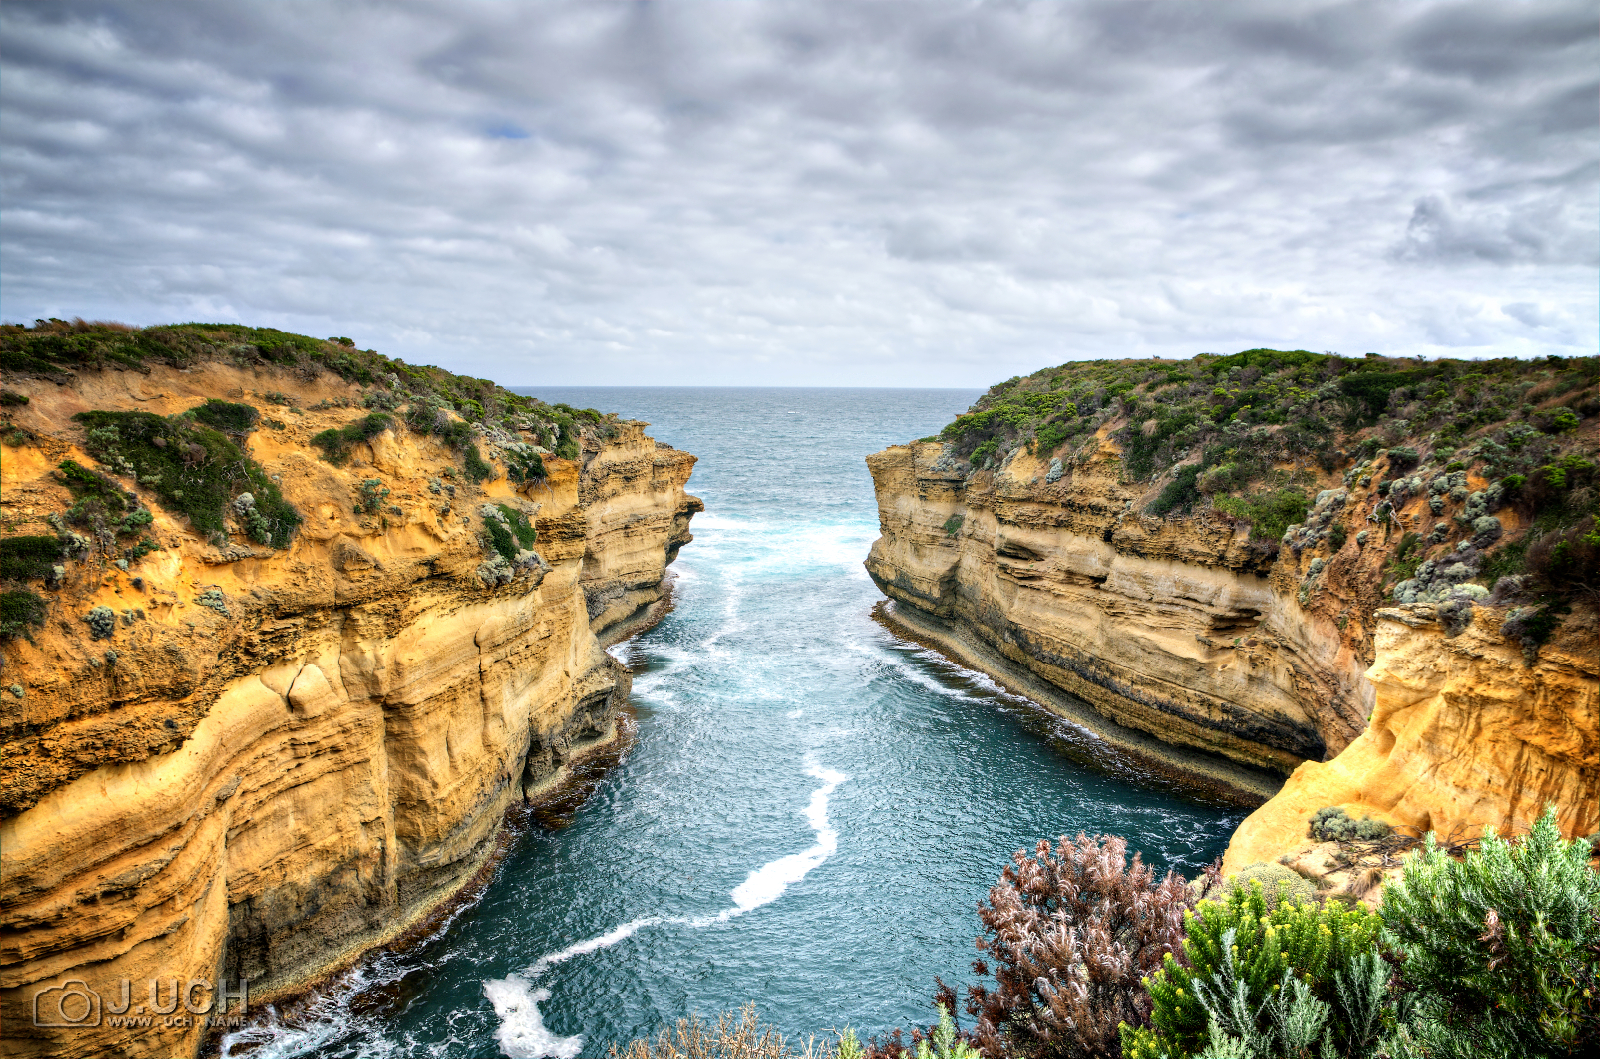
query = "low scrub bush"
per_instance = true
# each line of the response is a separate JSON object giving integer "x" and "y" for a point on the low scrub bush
{"x": 477, "y": 468}
{"x": 21, "y": 611}
{"x": 1500, "y": 951}
{"x": 1333, "y": 824}
{"x": 1240, "y": 953}
{"x": 29, "y": 558}
{"x": 336, "y": 442}
{"x": 1180, "y": 494}
{"x": 195, "y": 470}
{"x": 730, "y": 1037}
{"x": 228, "y": 417}
{"x": 1071, "y": 934}
{"x": 1269, "y": 513}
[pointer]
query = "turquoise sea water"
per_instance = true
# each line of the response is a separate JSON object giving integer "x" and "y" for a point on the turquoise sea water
{"x": 812, "y": 808}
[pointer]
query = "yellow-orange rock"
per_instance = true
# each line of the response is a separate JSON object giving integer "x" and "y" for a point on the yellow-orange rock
{"x": 1172, "y": 627}
{"x": 265, "y": 789}
{"x": 1465, "y": 735}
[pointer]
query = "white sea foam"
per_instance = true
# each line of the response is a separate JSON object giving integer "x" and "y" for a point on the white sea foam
{"x": 523, "y": 1034}
{"x": 792, "y": 714}
{"x": 767, "y": 883}
{"x": 707, "y": 520}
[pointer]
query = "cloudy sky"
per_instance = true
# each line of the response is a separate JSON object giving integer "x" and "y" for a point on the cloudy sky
{"x": 827, "y": 193}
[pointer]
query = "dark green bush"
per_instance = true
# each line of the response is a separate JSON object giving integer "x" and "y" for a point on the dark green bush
{"x": 1501, "y": 950}
{"x": 1337, "y": 535}
{"x": 525, "y": 468}
{"x": 336, "y": 442}
{"x": 521, "y": 526}
{"x": 228, "y": 417}
{"x": 194, "y": 470}
{"x": 1180, "y": 494}
{"x": 1402, "y": 458}
{"x": 1269, "y": 513}
{"x": 8, "y": 398}
{"x": 29, "y": 558}
{"x": 477, "y": 468}
{"x": 21, "y": 611}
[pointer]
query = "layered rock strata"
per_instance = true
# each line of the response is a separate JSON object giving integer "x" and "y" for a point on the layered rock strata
{"x": 1171, "y": 627}
{"x": 278, "y": 759}
{"x": 1188, "y": 631}
{"x": 1465, "y": 735}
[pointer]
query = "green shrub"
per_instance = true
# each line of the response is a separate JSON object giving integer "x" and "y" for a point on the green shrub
{"x": 567, "y": 448}
{"x": 478, "y": 469}
{"x": 1402, "y": 458}
{"x": 522, "y": 468}
{"x": 21, "y": 611}
{"x": 511, "y": 532}
{"x": 1278, "y": 883}
{"x": 194, "y": 470}
{"x": 1257, "y": 946}
{"x": 1501, "y": 950}
{"x": 29, "y": 558}
{"x": 1180, "y": 494}
{"x": 336, "y": 442}
{"x": 1334, "y": 825}
{"x": 953, "y": 524}
{"x": 1269, "y": 513}
{"x": 228, "y": 417}
{"x": 1337, "y": 535}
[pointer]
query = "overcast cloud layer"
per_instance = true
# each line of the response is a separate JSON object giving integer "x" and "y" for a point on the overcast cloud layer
{"x": 852, "y": 193}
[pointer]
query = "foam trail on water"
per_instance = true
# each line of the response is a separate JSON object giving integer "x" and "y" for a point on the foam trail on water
{"x": 767, "y": 883}
{"x": 604, "y": 941}
{"x": 523, "y": 1034}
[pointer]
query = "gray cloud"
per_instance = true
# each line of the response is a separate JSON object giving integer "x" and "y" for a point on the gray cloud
{"x": 836, "y": 193}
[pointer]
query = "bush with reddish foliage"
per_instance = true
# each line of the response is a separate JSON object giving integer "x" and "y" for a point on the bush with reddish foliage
{"x": 1071, "y": 933}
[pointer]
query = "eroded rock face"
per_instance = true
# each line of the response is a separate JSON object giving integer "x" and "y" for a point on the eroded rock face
{"x": 295, "y": 754}
{"x": 1464, "y": 735}
{"x": 632, "y": 498}
{"x": 1173, "y": 627}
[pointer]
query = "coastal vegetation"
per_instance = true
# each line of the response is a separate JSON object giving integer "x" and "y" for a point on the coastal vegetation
{"x": 196, "y": 465}
{"x": 1498, "y": 458}
{"x": 1491, "y": 951}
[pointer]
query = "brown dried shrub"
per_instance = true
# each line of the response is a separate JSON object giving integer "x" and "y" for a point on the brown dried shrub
{"x": 1071, "y": 934}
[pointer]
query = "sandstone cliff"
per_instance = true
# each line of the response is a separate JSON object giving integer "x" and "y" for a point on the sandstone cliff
{"x": 1324, "y": 611}
{"x": 271, "y": 759}
{"x": 1171, "y": 627}
{"x": 1464, "y": 735}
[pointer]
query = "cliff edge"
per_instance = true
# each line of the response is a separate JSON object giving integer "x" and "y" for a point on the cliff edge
{"x": 253, "y": 746}
{"x": 1375, "y": 576}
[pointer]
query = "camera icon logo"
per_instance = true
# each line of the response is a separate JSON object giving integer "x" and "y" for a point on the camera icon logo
{"x": 72, "y": 1003}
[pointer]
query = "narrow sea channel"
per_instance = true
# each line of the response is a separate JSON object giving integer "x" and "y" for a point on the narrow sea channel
{"x": 812, "y": 808}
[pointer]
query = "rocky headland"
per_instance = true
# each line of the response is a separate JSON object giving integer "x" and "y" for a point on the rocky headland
{"x": 1374, "y": 577}
{"x": 290, "y": 628}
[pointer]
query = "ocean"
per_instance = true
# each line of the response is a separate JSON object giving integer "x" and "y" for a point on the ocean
{"x": 811, "y": 811}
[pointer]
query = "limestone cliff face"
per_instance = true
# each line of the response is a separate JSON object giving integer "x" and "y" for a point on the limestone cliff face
{"x": 632, "y": 498}
{"x": 1171, "y": 627}
{"x": 281, "y": 758}
{"x": 1464, "y": 735}
{"x": 1182, "y": 629}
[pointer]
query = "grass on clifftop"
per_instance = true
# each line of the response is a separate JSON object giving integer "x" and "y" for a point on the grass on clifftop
{"x": 429, "y": 398}
{"x": 1254, "y": 436}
